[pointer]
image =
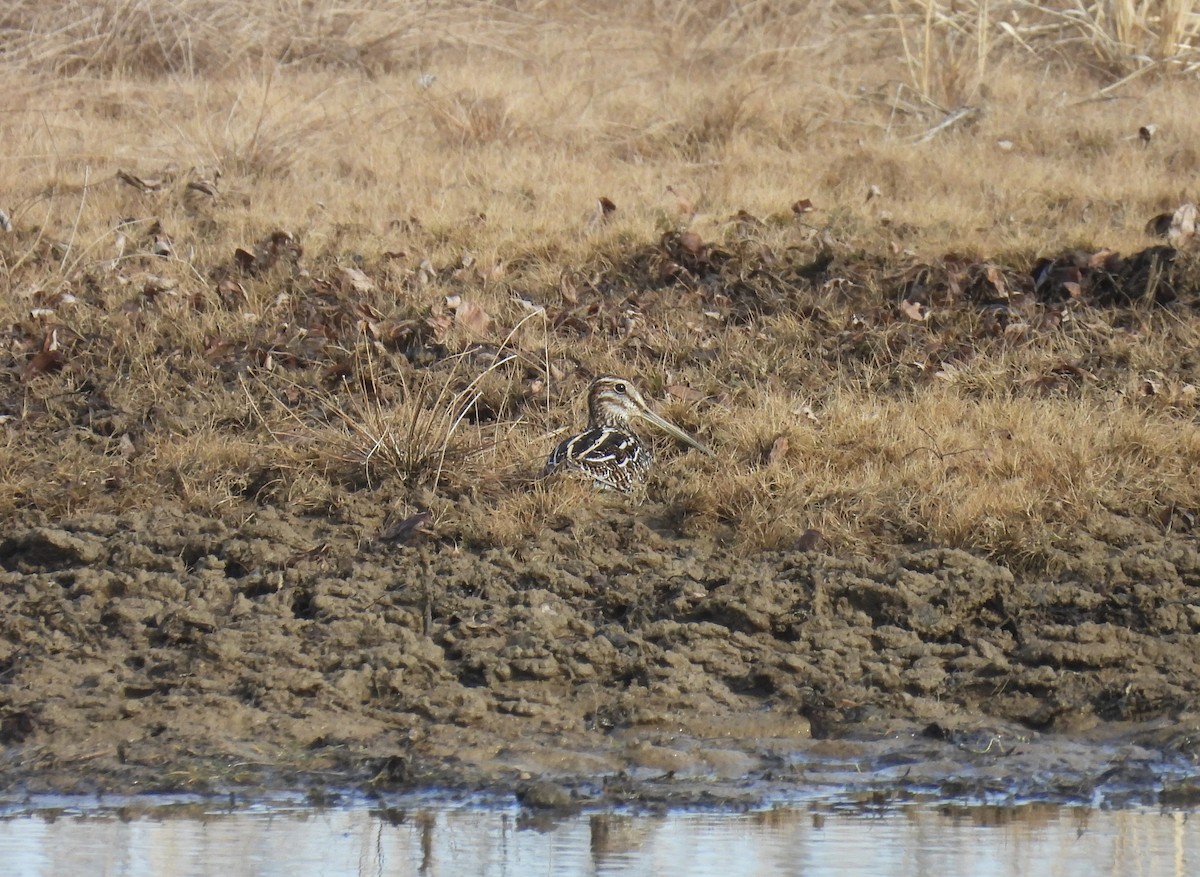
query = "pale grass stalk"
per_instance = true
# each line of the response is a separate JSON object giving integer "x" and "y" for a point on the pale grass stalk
{"x": 983, "y": 30}
{"x": 78, "y": 215}
{"x": 927, "y": 48}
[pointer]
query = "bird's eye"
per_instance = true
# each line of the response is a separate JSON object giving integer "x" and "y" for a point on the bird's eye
{"x": 620, "y": 388}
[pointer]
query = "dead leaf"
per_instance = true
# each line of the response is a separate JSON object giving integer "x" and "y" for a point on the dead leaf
{"x": 1173, "y": 517}
{"x": 368, "y": 312}
{"x": 358, "y": 281}
{"x": 49, "y": 359}
{"x": 440, "y": 324}
{"x": 125, "y": 446}
{"x": 409, "y": 528}
{"x": 206, "y": 188}
{"x": 685, "y": 393}
{"x": 216, "y": 347}
{"x": 683, "y": 205}
{"x": 43, "y": 362}
{"x": 746, "y": 220}
{"x": 1016, "y": 330}
{"x": 148, "y": 184}
{"x": 566, "y": 287}
{"x": 1147, "y": 132}
{"x": 996, "y": 277}
{"x": 874, "y": 191}
{"x": 231, "y": 293}
{"x": 778, "y": 452}
{"x": 807, "y": 411}
{"x": 692, "y": 243}
{"x": 915, "y": 310}
{"x": 1183, "y": 225}
{"x": 244, "y": 259}
{"x": 809, "y": 540}
{"x": 268, "y": 252}
{"x": 1160, "y": 225}
{"x": 162, "y": 243}
{"x": 804, "y": 205}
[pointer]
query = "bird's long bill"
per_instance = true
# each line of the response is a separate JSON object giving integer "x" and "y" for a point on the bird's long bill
{"x": 674, "y": 431}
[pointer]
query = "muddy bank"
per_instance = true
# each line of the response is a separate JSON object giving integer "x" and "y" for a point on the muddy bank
{"x": 162, "y": 650}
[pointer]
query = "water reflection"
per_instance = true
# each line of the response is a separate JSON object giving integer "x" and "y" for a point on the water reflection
{"x": 444, "y": 840}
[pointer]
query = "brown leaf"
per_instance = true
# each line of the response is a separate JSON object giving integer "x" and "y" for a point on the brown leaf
{"x": 685, "y": 393}
{"x": 440, "y": 324}
{"x": 996, "y": 278}
{"x": 125, "y": 446}
{"x": 163, "y": 245}
{"x": 369, "y": 313}
{"x": 809, "y": 540}
{"x": 244, "y": 259}
{"x": 216, "y": 347}
{"x": 804, "y": 205}
{"x": 231, "y": 293}
{"x": 472, "y": 317}
{"x": 1147, "y": 132}
{"x": 358, "y": 281}
{"x": 1183, "y": 225}
{"x": 915, "y": 310}
{"x": 1172, "y": 517}
{"x": 43, "y": 362}
{"x": 409, "y": 528}
{"x": 148, "y": 184}
{"x": 275, "y": 247}
{"x": 1159, "y": 225}
{"x": 207, "y": 188}
{"x": 682, "y": 203}
{"x": 566, "y": 287}
{"x": 779, "y": 449}
{"x": 607, "y": 207}
{"x": 692, "y": 243}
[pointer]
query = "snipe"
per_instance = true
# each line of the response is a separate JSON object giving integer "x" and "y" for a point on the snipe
{"x": 609, "y": 452}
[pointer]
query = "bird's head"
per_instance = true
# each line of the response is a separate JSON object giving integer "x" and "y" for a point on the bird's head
{"x": 614, "y": 401}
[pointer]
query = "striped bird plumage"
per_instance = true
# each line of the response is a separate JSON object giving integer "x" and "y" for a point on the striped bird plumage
{"x": 609, "y": 452}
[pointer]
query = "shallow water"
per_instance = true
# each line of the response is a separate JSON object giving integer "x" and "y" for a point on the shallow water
{"x": 432, "y": 838}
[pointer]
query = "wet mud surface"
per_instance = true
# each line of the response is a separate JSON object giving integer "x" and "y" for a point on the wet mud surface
{"x": 160, "y": 650}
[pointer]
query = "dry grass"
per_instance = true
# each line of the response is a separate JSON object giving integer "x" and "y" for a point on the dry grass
{"x": 451, "y": 282}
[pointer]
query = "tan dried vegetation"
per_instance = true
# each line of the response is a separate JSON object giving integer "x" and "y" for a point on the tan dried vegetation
{"x": 285, "y": 255}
